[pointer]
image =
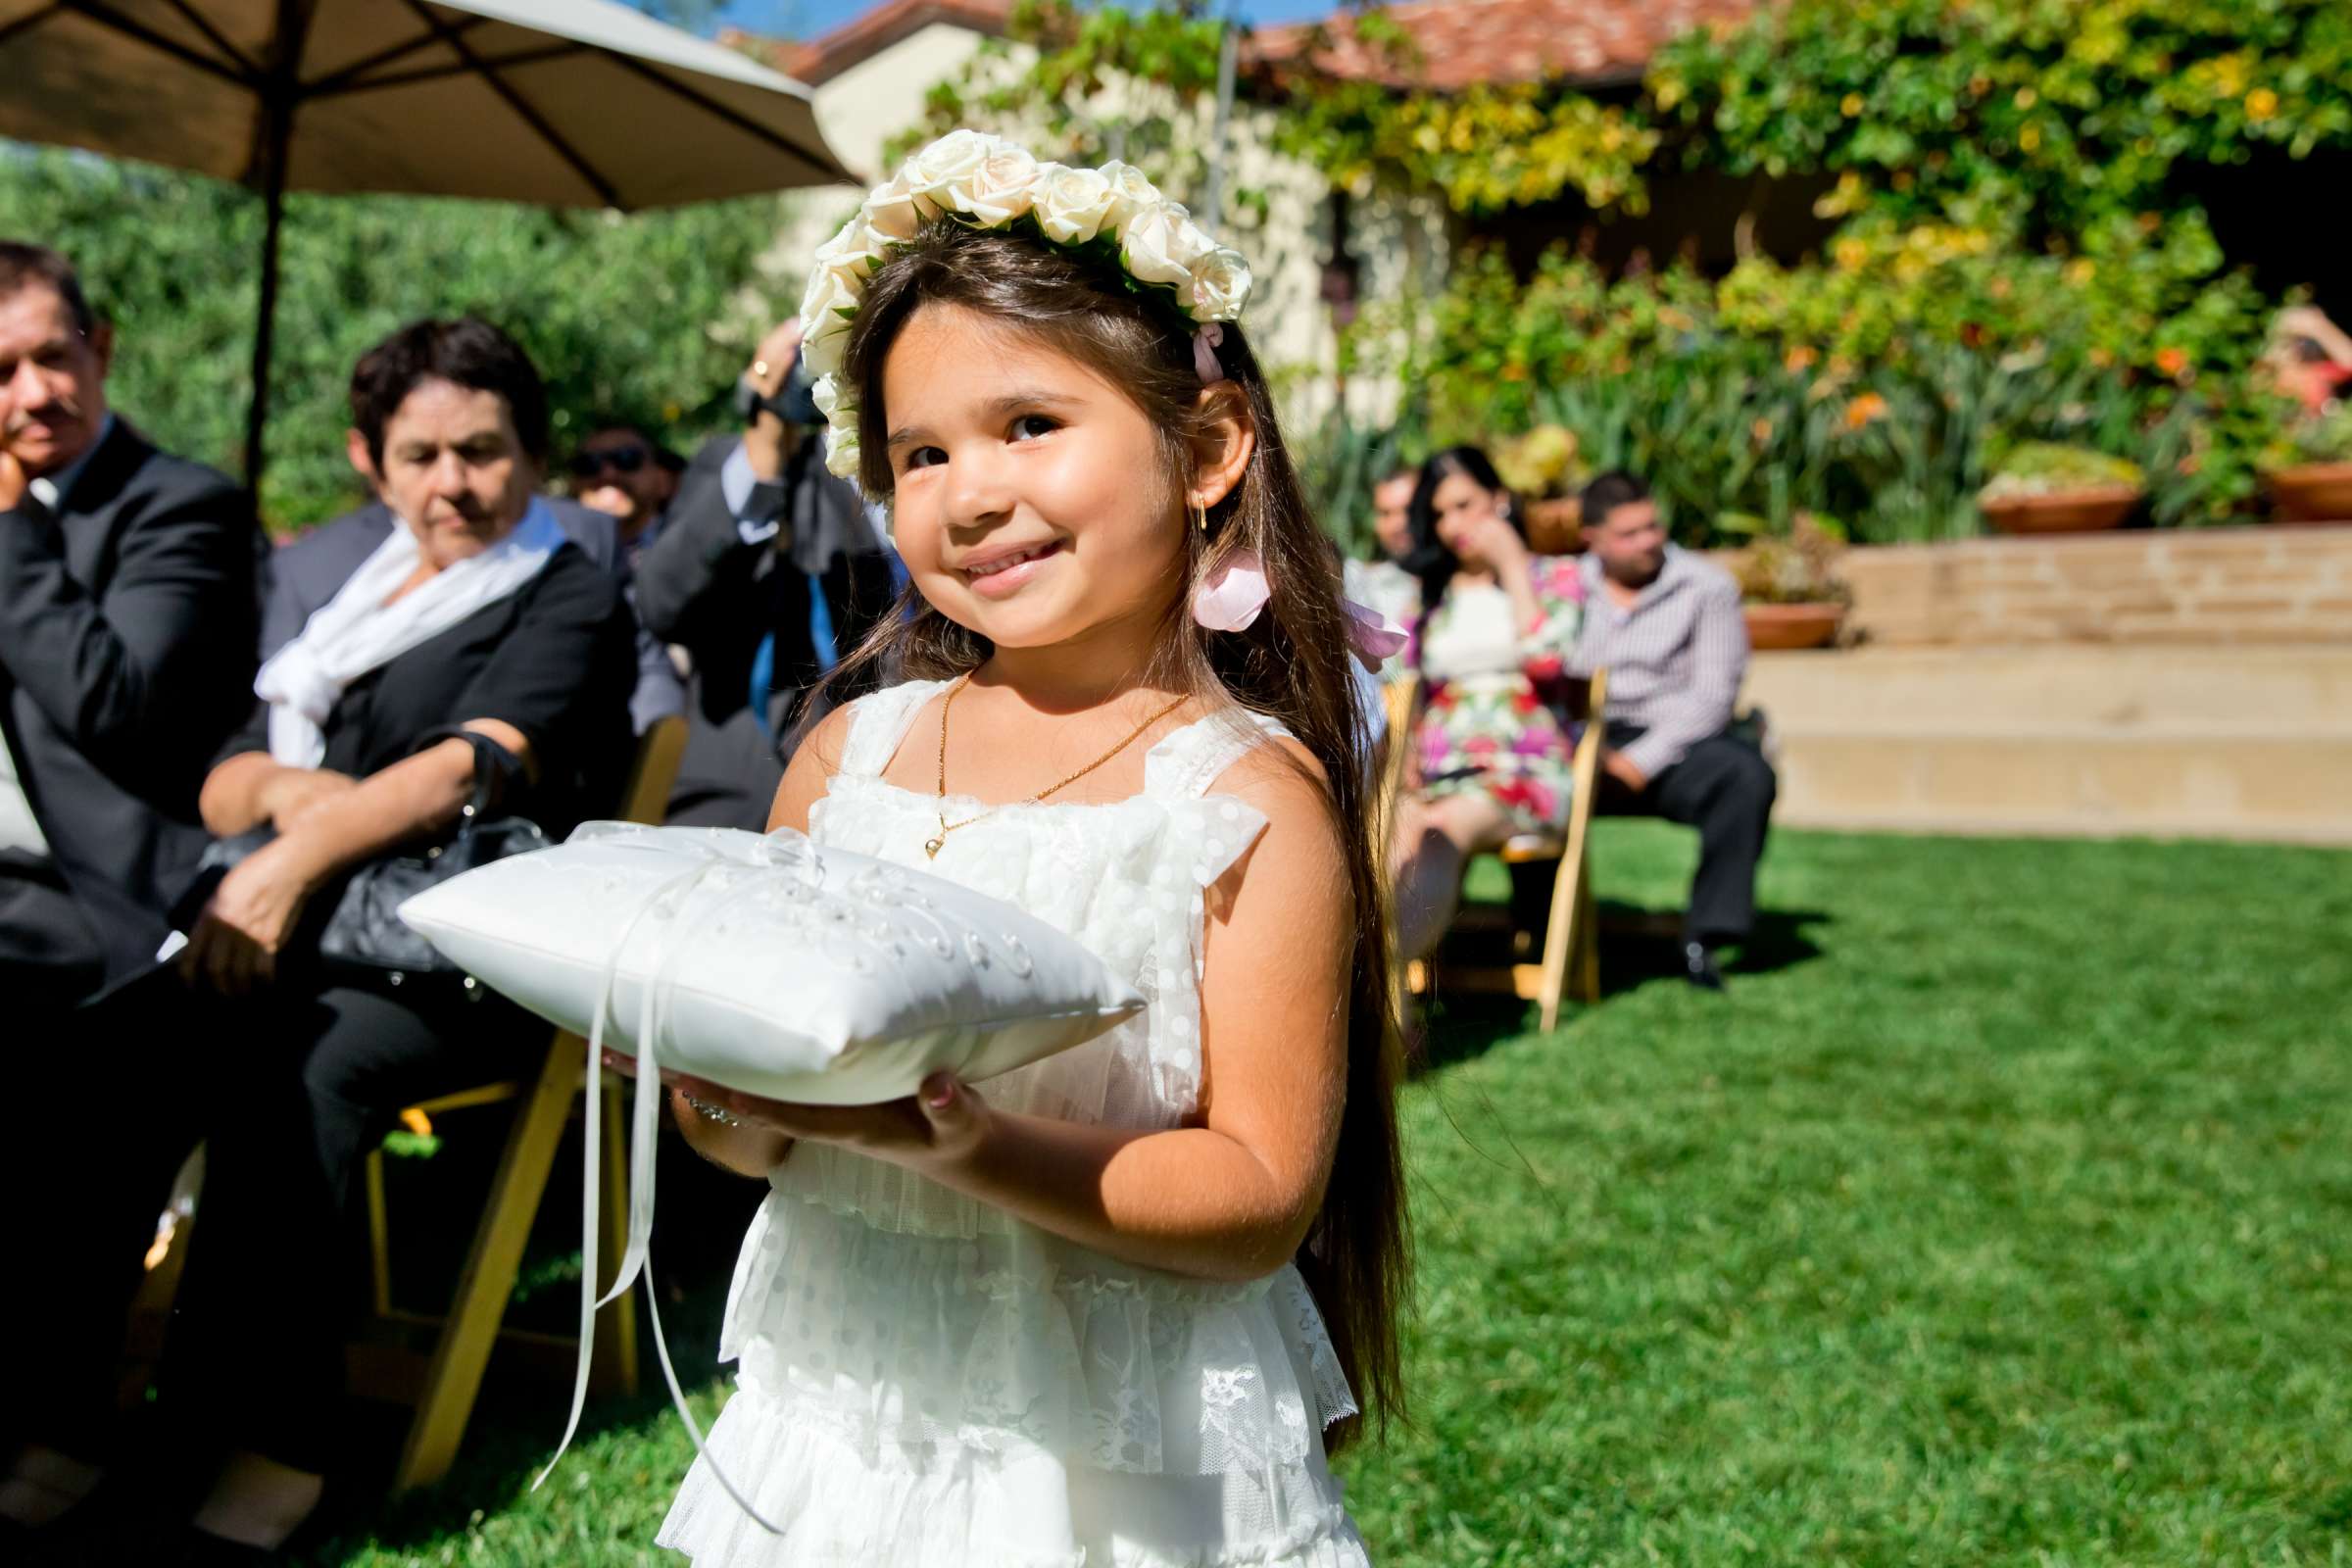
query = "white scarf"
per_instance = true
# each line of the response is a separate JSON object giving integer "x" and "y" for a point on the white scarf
{"x": 356, "y": 631}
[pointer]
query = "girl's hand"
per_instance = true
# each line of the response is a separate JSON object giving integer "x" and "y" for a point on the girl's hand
{"x": 938, "y": 1125}
{"x": 247, "y": 922}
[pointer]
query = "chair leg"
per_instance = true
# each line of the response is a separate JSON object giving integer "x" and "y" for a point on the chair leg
{"x": 454, "y": 1375}
{"x": 380, "y": 1236}
{"x": 1588, "y": 943}
{"x": 613, "y": 1369}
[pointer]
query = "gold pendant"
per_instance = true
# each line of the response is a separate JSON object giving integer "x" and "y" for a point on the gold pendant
{"x": 932, "y": 847}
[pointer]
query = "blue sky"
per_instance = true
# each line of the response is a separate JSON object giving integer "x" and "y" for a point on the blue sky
{"x": 807, "y": 18}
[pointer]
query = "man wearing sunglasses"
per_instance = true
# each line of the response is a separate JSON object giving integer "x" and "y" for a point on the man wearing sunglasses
{"x": 621, "y": 472}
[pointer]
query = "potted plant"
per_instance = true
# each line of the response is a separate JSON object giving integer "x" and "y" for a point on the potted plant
{"x": 1542, "y": 471}
{"x": 1792, "y": 593}
{"x": 2316, "y": 484}
{"x": 2051, "y": 487}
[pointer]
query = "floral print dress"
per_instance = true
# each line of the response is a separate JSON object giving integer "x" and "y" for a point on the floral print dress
{"x": 1491, "y": 722}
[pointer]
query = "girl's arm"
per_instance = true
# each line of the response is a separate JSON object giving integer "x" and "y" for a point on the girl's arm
{"x": 1233, "y": 1196}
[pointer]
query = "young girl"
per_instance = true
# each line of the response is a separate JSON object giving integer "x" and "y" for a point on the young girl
{"x": 1105, "y": 1309}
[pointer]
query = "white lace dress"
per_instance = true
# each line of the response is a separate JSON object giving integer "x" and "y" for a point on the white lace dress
{"x": 923, "y": 1380}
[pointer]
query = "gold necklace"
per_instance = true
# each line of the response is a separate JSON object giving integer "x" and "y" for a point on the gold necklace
{"x": 932, "y": 845}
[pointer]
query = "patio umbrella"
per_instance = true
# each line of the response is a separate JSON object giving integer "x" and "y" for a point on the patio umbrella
{"x": 571, "y": 103}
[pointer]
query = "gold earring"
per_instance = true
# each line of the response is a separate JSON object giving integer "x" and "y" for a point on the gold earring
{"x": 1200, "y": 515}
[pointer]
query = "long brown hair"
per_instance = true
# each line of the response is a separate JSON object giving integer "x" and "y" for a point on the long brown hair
{"x": 1293, "y": 664}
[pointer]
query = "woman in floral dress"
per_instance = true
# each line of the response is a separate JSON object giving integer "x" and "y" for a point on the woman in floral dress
{"x": 1493, "y": 757}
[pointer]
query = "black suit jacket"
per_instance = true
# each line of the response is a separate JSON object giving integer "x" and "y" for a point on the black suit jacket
{"x": 700, "y": 586}
{"x": 309, "y": 571}
{"x": 126, "y": 644}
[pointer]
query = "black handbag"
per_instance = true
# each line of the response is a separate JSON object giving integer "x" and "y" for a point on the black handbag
{"x": 362, "y": 934}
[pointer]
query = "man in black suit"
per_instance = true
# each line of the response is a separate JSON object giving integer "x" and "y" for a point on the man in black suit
{"x": 768, "y": 572}
{"x": 126, "y": 659}
{"x": 126, "y": 647}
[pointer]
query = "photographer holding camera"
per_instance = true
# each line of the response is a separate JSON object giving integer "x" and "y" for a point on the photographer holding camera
{"x": 766, "y": 569}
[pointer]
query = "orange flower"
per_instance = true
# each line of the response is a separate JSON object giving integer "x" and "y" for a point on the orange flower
{"x": 2262, "y": 103}
{"x": 1801, "y": 357}
{"x": 1865, "y": 408}
{"x": 2171, "y": 362}
{"x": 1761, "y": 430}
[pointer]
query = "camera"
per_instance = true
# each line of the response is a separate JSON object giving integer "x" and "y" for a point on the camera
{"x": 795, "y": 403}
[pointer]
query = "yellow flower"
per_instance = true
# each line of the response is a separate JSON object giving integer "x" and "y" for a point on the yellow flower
{"x": 2029, "y": 138}
{"x": 2262, "y": 103}
{"x": 1850, "y": 106}
{"x": 1851, "y": 254}
{"x": 2081, "y": 270}
{"x": 2027, "y": 98}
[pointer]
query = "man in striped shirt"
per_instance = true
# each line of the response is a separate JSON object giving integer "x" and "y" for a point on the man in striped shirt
{"x": 1666, "y": 625}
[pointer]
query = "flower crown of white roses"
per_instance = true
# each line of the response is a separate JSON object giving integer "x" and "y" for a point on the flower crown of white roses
{"x": 1112, "y": 212}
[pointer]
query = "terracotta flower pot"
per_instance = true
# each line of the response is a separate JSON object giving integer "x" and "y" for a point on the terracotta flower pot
{"x": 1556, "y": 527}
{"x": 2312, "y": 492}
{"x": 1776, "y": 628}
{"x": 2093, "y": 506}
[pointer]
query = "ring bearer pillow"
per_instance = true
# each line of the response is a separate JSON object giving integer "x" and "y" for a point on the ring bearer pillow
{"x": 766, "y": 965}
{"x": 770, "y": 966}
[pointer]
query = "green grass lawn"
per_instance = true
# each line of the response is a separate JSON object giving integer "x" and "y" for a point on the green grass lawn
{"x": 2001, "y": 1213}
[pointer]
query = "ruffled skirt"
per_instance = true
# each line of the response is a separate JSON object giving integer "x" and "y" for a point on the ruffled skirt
{"x": 1007, "y": 1401}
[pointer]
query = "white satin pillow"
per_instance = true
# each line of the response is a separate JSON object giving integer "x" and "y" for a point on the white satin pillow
{"x": 770, "y": 964}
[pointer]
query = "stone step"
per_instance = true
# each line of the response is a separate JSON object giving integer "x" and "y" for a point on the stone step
{"x": 2226, "y": 742}
{"x": 2292, "y": 788}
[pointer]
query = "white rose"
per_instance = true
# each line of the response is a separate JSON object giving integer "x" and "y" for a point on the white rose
{"x": 1072, "y": 203}
{"x": 942, "y": 172}
{"x": 1131, "y": 194}
{"x": 957, "y": 150}
{"x": 1148, "y": 245}
{"x": 1221, "y": 286}
{"x": 822, "y": 351}
{"x": 893, "y": 210}
{"x": 841, "y": 449}
{"x": 825, "y": 393}
{"x": 1003, "y": 187}
{"x": 827, "y": 306}
{"x": 855, "y": 250}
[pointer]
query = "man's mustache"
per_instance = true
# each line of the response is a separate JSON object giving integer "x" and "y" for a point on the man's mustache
{"x": 56, "y": 411}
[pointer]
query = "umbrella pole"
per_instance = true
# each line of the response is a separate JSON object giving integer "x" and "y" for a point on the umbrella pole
{"x": 265, "y": 326}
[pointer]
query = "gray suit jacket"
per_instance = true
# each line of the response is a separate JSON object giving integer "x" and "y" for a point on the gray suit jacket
{"x": 307, "y": 573}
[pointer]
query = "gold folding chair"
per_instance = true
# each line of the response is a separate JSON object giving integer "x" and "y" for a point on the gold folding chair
{"x": 444, "y": 1384}
{"x": 1569, "y": 962}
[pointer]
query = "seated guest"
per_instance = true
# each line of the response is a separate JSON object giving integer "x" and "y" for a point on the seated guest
{"x": 767, "y": 570}
{"x": 126, "y": 627}
{"x": 310, "y": 568}
{"x": 1667, "y": 627}
{"x": 1385, "y": 585}
{"x": 473, "y": 636}
{"x": 625, "y": 474}
{"x": 1494, "y": 759}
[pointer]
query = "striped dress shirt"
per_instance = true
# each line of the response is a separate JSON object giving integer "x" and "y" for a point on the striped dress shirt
{"x": 1675, "y": 658}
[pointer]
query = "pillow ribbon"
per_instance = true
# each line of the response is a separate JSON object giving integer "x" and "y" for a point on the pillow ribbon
{"x": 645, "y": 1112}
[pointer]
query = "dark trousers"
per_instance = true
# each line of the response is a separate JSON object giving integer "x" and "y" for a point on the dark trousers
{"x": 289, "y": 1091}
{"x": 1725, "y": 789}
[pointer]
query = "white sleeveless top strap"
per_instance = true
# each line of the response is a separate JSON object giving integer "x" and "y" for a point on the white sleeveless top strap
{"x": 1185, "y": 762}
{"x": 879, "y": 721}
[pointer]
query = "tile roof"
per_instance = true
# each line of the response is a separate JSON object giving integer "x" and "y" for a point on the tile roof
{"x": 819, "y": 60}
{"x": 1462, "y": 43}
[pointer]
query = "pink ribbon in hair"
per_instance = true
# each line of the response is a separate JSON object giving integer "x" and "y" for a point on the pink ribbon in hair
{"x": 1205, "y": 354}
{"x": 1235, "y": 594}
